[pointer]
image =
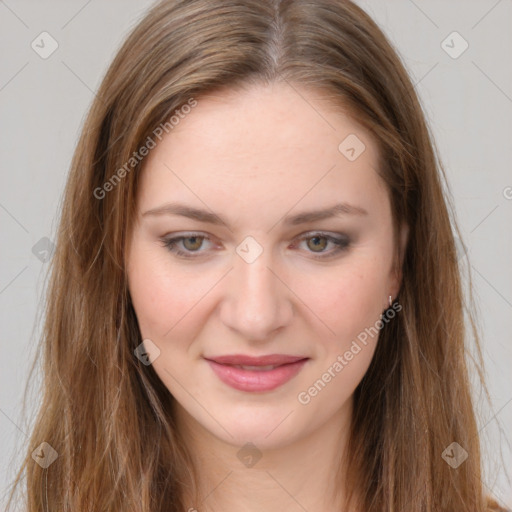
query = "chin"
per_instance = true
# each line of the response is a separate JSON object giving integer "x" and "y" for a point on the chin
{"x": 266, "y": 431}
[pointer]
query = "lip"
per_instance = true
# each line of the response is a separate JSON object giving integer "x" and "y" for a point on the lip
{"x": 270, "y": 359}
{"x": 256, "y": 380}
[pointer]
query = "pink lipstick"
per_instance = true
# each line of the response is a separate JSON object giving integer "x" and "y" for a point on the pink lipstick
{"x": 263, "y": 373}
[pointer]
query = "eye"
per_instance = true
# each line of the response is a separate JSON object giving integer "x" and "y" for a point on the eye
{"x": 191, "y": 244}
{"x": 317, "y": 242}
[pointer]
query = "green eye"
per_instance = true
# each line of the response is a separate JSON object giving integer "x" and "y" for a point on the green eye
{"x": 195, "y": 245}
{"x": 191, "y": 243}
{"x": 316, "y": 244}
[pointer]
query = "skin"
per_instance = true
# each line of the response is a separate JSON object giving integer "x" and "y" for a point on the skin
{"x": 253, "y": 157}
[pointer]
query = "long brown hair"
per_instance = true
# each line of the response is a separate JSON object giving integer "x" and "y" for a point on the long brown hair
{"x": 105, "y": 413}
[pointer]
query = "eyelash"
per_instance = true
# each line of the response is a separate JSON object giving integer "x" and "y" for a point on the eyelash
{"x": 342, "y": 244}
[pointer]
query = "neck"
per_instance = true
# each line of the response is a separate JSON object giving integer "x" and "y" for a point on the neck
{"x": 307, "y": 474}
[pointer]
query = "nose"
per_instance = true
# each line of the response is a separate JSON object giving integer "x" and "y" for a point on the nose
{"x": 257, "y": 302}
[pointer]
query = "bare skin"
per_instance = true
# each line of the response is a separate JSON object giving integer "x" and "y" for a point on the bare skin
{"x": 254, "y": 158}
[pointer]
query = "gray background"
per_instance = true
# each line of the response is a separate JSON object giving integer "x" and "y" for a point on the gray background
{"x": 467, "y": 100}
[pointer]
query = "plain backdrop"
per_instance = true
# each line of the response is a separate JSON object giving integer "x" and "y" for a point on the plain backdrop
{"x": 464, "y": 81}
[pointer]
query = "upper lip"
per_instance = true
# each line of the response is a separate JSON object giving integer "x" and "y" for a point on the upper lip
{"x": 268, "y": 360}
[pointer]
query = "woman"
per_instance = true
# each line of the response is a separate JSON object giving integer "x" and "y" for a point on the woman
{"x": 255, "y": 300}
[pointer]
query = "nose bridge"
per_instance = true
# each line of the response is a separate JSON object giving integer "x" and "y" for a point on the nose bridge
{"x": 256, "y": 303}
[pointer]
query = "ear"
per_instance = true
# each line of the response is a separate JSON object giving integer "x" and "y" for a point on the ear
{"x": 396, "y": 269}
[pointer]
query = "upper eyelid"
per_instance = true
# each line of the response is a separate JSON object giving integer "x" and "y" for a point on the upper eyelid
{"x": 305, "y": 234}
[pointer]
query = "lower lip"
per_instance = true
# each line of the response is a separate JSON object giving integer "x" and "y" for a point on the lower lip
{"x": 255, "y": 380}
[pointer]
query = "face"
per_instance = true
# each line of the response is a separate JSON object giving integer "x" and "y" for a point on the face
{"x": 257, "y": 273}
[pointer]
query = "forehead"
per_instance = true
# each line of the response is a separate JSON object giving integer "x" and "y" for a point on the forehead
{"x": 264, "y": 144}
{"x": 260, "y": 118}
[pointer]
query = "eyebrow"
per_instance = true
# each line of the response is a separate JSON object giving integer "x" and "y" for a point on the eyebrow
{"x": 184, "y": 210}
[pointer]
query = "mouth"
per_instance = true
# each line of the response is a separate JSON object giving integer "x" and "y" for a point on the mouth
{"x": 255, "y": 368}
{"x": 263, "y": 373}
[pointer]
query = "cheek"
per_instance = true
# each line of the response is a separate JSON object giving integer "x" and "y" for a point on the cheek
{"x": 164, "y": 300}
{"x": 347, "y": 301}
